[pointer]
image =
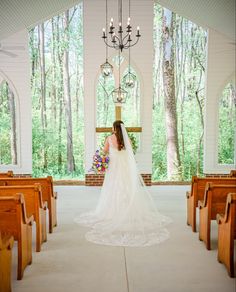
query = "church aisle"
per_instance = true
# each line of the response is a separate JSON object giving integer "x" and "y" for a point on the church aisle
{"x": 68, "y": 263}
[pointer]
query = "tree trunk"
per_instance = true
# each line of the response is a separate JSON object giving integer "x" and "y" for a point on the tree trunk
{"x": 54, "y": 92}
{"x": 173, "y": 159}
{"x": 43, "y": 93}
{"x": 182, "y": 91}
{"x": 67, "y": 96}
{"x": 59, "y": 159}
{"x": 12, "y": 108}
{"x": 33, "y": 55}
{"x": 77, "y": 92}
{"x": 59, "y": 96}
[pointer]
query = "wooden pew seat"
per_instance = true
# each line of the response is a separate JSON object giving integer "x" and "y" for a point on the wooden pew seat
{"x": 47, "y": 193}
{"x": 34, "y": 206}
{"x": 214, "y": 202}
{"x": 14, "y": 220}
{"x": 6, "y": 245}
{"x": 227, "y": 234}
{"x": 197, "y": 193}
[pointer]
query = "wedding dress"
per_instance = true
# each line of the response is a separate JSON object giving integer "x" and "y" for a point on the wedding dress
{"x": 125, "y": 214}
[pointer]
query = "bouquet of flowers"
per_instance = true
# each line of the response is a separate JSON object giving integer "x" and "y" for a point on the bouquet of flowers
{"x": 100, "y": 162}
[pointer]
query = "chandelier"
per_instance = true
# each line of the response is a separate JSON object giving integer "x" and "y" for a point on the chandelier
{"x": 120, "y": 39}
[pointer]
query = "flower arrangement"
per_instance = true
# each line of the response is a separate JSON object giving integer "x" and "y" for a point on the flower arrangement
{"x": 100, "y": 162}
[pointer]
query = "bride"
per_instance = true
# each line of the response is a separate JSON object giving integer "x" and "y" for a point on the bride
{"x": 125, "y": 214}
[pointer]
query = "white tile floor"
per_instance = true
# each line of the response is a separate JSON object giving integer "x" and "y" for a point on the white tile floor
{"x": 68, "y": 263}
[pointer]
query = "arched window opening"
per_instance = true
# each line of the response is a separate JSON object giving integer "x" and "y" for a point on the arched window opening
{"x": 8, "y": 131}
{"x": 227, "y": 125}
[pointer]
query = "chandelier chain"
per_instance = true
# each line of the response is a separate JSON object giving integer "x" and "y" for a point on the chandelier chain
{"x": 106, "y": 29}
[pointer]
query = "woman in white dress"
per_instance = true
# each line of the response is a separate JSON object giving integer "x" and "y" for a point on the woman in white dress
{"x": 125, "y": 214}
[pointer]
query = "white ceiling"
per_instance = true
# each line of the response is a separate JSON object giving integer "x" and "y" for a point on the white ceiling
{"x": 16, "y": 15}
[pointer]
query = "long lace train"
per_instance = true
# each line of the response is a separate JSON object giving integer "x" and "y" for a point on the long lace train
{"x": 126, "y": 214}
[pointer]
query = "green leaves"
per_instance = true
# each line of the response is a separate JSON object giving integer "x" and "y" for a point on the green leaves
{"x": 227, "y": 125}
{"x": 189, "y": 63}
{"x": 53, "y": 141}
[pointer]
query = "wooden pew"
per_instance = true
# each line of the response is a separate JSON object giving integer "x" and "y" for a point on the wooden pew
{"x": 214, "y": 202}
{"x": 227, "y": 234}
{"x": 6, "y": 174}
{"x": 34, "y": 206}
{"x": 197, "y": 193}
{"x": 233, "y": 173}
{"x": 13, "y": 220}
{"x": 47, "y": 193}
{"x": 6, "y": 245}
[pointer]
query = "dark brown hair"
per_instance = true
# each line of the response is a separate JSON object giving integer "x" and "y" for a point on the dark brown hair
{"x": 118, "y": 133}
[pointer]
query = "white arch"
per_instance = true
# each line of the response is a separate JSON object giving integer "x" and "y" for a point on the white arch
{"x": 17, "y": 113}
{"x": 230, "y": 78}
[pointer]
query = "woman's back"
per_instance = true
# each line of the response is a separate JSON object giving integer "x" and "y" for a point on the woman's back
{"x": 113, "y": 141}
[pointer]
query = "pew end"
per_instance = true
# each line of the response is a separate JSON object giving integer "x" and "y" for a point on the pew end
{"x": 227, "y": 234}
{"x": 6, "y": 245}
{"x": 14, "y": 220}
{"x": 214, "y": 202}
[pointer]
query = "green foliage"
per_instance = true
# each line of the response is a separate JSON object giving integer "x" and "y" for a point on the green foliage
{"x": 227, "y": 125}
{"x": 190, "y": 55}
{"x": 134, "y": 141}
{"x": 5, "y": 125}
{"x": 159, "y": 159}
{"x": 54, "y": 140}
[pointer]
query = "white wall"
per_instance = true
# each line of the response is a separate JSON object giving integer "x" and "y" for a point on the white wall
{"x": 17, "y": 72}
{"x": 94, "y": 56}
{"x": 220, "y": 70}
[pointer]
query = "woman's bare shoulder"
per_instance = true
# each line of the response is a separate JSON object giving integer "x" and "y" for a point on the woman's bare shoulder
{"x": 113, "y": 137}
{"x": 109, "y": 137}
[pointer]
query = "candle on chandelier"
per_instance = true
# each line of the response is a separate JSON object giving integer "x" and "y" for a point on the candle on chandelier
{"x": 138, "y": 34}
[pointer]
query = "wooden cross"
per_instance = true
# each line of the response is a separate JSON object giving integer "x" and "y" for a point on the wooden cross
{"x": 118, "y": 117}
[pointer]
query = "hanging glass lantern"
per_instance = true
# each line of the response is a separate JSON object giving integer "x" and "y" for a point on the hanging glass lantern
{"x": 119, "y": 95}
{"x": 129, "y": 80}
{"x": 106, "y": 69}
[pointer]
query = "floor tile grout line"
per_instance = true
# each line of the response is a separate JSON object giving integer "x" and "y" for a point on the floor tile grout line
{"x": 126, "y": 271}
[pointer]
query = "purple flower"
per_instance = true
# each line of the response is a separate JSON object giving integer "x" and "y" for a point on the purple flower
{"x": 100, "y": 162}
